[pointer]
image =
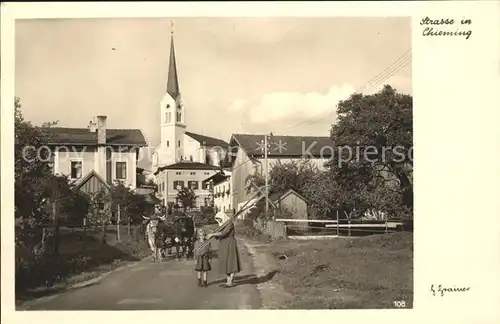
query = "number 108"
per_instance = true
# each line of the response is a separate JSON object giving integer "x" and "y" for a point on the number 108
{"x": 399, "y": 303}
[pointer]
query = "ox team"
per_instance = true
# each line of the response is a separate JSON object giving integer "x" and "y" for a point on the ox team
{"x": 162, "y": 235}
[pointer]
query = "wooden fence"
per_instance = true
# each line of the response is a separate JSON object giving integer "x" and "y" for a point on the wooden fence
{"x": 319, "y": 229}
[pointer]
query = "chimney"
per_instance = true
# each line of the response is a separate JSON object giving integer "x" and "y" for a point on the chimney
{"x": 92, "y": 126}
{"x": 101, "y": 130}
{"x": 103, "y": 160}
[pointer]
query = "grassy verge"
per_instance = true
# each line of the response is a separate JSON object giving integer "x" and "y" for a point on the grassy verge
{"x": 246, "y": 230}
{"x": 346, "y": 273}
{"x": 81, "y": 258}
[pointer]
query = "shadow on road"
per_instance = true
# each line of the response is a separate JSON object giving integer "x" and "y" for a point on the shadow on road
{"x": 248, "y": 279}
{"x": 77, "y": 257}
{"x": 34, "y": 294}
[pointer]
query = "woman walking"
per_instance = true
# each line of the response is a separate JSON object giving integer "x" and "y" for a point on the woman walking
{"x": 229, "y": 257}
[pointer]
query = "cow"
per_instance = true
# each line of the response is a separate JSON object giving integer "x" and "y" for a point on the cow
{"x": 184, "y": 235}
{"x": 155, "y": 236}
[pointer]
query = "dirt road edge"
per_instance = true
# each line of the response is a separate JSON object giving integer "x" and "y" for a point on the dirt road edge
{"x": 272, "y": 294}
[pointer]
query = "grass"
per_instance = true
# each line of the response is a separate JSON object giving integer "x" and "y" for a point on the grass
{"x": 246, "y": 229}
{"x": 368, "y": 272}
{"x": 81, "y": 257}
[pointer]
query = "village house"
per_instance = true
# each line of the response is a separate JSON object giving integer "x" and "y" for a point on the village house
{"x": 220, "y": 183}
{"x": 171, "y": 178}
{"x": 183, "y": 158}
{"x": 95, "y": 156}
{"x": 247, "y": 157}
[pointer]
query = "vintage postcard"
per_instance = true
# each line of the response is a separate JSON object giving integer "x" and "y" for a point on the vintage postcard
{"x": 258, "y": 156}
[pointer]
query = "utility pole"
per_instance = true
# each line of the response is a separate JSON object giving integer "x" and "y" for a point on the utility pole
{"x": 266, "y": 173}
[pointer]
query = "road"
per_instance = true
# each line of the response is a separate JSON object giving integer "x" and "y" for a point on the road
{"x": 160, "y": 286}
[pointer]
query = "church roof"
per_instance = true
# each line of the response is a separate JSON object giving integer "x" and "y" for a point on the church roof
{"x": 207, "y": 140}
{"x": 172, "y": 81}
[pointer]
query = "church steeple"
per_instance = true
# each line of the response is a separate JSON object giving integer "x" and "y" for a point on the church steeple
{"x": 173, "y": 82}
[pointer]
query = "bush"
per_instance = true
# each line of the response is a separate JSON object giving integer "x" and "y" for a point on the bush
{"x": 205, "y": 216}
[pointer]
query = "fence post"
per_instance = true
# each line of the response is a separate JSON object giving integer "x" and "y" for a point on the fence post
{"x": 338, "y": 234}
{"x": 118, "y": 224}
{"x": 386, "y": 226}
{"x": 84, "y": 233}
{"x": 56, "y": 227}
{"x": 349, "y": 227}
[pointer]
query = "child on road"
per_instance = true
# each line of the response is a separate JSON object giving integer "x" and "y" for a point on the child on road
{"x": 203, "y": 258}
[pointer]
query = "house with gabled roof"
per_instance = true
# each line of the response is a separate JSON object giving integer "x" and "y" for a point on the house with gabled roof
{"x": 95, "y": 157}
{"x": 172, "y": 178}
{"x": 220, "y": 184}
{"x": 290, "y": 202}
{"x": 247, "y": 157}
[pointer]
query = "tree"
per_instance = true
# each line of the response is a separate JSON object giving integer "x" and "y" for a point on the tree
{"x": 186, "y": 198}
{"x": 100, "y": 209}
{"x": 324, "y": 195}
{"x": 374, "y": 147}
{"x": 256, "y": 179}
{"x": 32, "y": 169}
{"x": 292, "y": 175}
{"x": 41, "y": 198}
{"x": 132, "y": 205}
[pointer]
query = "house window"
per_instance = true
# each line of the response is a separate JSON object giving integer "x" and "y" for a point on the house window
{"x": 205, "y": 185}
{"x": 191, "y": 158}
{"x": 178, "y": 173}
{"x": 193, "y": 185}
{"x": 192, "y": 173}
{"x": 178, "y": 143}
{"x": 76, "y": 169}
{"x": 168, "y": 143}
{"x": 178, "y": 184}
{"x": 207, "y": 173}
{"x": 121, "y": 170}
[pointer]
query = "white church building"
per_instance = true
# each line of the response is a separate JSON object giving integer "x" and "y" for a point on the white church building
{"x": 183, "y": 158}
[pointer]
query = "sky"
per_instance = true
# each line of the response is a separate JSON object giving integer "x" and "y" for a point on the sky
{"x": 236, "y": 75}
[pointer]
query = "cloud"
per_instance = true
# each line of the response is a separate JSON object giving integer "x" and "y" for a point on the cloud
{"x": 237, "y": 104}
{"x": 294, "y": 106}
{"x": 263, "y": 29}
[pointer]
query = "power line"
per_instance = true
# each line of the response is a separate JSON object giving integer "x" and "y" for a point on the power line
{"x": 388, "y": 72}
{"x": 399, "y": 60}
{"x": 382, "y": 78}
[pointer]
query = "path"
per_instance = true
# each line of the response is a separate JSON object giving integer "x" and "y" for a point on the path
{"x": 160, "y": 286}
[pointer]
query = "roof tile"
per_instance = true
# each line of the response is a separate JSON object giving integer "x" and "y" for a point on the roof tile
{"x": 82, "y": 136}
